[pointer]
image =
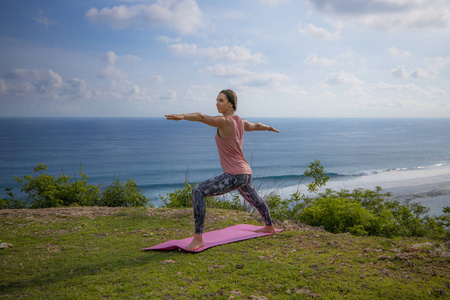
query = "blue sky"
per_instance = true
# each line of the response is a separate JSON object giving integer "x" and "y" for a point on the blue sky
{"x": 284, "y": 58}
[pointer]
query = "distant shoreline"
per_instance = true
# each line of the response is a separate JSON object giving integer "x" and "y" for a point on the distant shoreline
{"x": 434, "y": 192}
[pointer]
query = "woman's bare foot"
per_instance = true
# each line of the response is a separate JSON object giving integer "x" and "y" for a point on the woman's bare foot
{"x": 197, "y": 242}
{"x": 267, "y": 229}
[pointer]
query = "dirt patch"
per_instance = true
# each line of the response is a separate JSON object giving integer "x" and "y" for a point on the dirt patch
{"x": 83, "y": 211}
{"x": 212, "y": 215}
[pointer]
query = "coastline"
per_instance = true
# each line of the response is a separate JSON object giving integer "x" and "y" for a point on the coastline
{"x": 433, "y": 196}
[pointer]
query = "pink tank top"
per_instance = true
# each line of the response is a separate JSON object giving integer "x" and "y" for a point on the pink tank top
{"x": 232, "y": 159}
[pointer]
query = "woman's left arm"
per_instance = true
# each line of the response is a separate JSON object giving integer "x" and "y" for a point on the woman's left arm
{"x": 257, "y": 126}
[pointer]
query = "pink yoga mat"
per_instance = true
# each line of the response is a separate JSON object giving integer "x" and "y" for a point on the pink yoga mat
{"x": 213, "y": 238}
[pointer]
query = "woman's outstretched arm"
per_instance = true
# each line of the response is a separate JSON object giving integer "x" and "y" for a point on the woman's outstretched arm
{"x": 217, "y": 121}
{"x": 258, "y": 126}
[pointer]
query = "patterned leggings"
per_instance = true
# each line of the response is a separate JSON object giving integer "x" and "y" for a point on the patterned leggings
{"x": 221, "y": 185}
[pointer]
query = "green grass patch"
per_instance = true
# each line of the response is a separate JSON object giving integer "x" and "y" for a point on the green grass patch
{"x": 72, "y": 253}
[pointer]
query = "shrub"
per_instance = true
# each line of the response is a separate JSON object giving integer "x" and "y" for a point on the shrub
{"x": 285, "y": 209}
{"x": 125, "y": 194}
{"x": 338, "y": 215}
{"x": 179, "y": 198}
{"x": 43, "y": 190}
{"x": 389, "y": 217}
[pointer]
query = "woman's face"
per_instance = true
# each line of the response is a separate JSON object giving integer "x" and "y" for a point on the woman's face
{"x": 223, "y": 105}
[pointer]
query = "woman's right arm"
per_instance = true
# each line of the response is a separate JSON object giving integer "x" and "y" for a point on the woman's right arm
{"x": 218, "y": 121}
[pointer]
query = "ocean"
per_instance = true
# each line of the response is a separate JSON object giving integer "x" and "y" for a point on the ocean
{"x": 408, "y": 157}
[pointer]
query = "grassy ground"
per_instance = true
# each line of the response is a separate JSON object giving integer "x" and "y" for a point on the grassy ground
{"x": 83, "y": 253}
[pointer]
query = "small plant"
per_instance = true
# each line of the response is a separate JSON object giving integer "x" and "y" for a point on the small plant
{"x": 179, "y": 198}
{"x": 290, "y": 208}
{"x": 316, "y": 172}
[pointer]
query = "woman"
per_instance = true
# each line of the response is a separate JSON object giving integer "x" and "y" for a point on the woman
{"x": 237, "y": 172}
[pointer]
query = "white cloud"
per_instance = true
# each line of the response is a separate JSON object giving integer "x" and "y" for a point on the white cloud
{"x": 348, "y": 54}
{"x": 261, "y": 79}
{"x": 397, "y": 53}
{"x": 168, "y": 39}
{"x": 111, "y": 71}
{"x": 245, "y": 77}
{"x": 436, "y": 64}
{"x": 224, "y": 53}
{"x": 388, "y": 14}
{"x": 41, "y": 19}
{"x": 123, "y": 90}
{"x": 44, "y": 80}
{"x": 421, "y": 73}
{"x": 220, "y": 70}
{"x": 274, "y": 2}
{"x": 319, "y": 33}
{"x": 42, "y": 85}
{"x": 198, "y": 93}
{"x": 156, "y": 79}
{"x": 110, "y": 58}
{"x": 412, "y": 89}
{"x": 342, "y": 78}
{"x": 234, "y": 15}
{"x": 183, "y": 49}
{"x": 184, "y": 15}
{"x": 313, "y": 60}
{"x": 78, "y": 88}
{"x": 234, "y": 53}
{"x": 297, "y": 92}
{"x": 170, "y": 95}
{"x": 400, "y": 72}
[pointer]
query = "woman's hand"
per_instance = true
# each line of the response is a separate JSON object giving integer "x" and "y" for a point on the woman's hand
{"x": 174, "y": 117}
{"x": 273, "y": 129}
{"x": 257, "y": 126}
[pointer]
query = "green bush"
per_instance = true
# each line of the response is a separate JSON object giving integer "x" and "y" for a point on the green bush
{"x": 43, "y": 190}
{"x": 285, "y": 209}
{"x": 338, "y": 215}
{"x": 125, "y": 194}
{"x": 179, "y": 198}
{"x": 387, "y": 217}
